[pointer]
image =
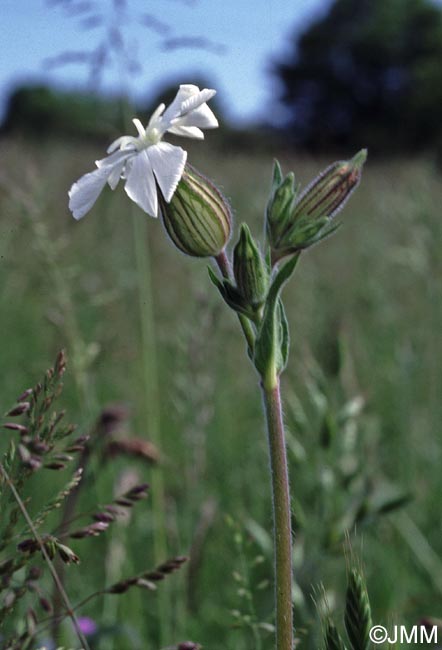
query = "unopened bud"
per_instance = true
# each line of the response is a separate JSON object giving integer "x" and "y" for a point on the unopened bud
{"x": 25, "y": 395}
{"x": 22, "y": 407}
{"x": 60, "y": 363}
{"x": 24, "y": 453}
{"x": 198, "y": 218}
{"x": 103, "y": 516}
{"x": 93, "y": 530}
{"x": 55, "y": 465}
{"x": 45, "y": 604}
{"x": 16, "y": 427}
{"x": 280, "y": 205}
{"x": 122, "y": 586}
{"x": 34, "y": 463}
{"x": 34, "y": 573}
{"x": 155, "y": 576}
{"x": 293, "y": 225}
{"x": 329, "y": 192}
{"x": 249, "y": 269}
{"x": 67, "y": 555}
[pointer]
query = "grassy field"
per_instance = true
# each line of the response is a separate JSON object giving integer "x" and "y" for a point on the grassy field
{"x": 362, "y": 436}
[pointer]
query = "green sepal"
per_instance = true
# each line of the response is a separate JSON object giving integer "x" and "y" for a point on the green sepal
{"x": 304, "y": 230}
{"x": 305, "y": 234}
{"x": 277, "y": 175}
{"x": 329, "y": 230}
{"x": 272, "y": 341}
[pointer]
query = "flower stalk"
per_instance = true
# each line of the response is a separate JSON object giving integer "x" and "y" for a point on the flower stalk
{"x": 281, "y": 515}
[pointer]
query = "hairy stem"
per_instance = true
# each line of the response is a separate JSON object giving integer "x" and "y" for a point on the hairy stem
{"x": 281, "y": 516}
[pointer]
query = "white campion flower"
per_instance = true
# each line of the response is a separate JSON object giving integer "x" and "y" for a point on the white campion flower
{"x": 145, "y": 161}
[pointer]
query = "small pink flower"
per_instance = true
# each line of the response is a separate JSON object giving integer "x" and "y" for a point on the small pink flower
{"x": 87, "y": 625}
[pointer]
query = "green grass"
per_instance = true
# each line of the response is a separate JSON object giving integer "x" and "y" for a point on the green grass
{"x": 74, "y": 285}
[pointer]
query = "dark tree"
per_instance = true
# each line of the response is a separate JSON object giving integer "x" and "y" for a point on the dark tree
{"x": 369, "y": 73}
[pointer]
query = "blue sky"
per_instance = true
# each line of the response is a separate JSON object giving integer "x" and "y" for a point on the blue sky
{"x": 243, "y": 35}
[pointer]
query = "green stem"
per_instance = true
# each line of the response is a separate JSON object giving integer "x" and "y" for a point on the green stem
{"x": 282, "y": 529}
{"x": 281, "y": 516}
{"x": 151, "y": 403}
{"x": 224, "y": 266}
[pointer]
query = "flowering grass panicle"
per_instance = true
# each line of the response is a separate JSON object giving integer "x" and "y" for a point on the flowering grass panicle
{"x": 30, "y": 538}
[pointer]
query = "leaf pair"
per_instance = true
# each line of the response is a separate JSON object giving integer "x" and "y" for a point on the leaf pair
{"x": 272, "y": 338}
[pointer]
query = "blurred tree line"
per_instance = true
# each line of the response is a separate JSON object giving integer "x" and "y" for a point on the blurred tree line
{"x": 369, "y": 72}
{"x": 40, "y": 111}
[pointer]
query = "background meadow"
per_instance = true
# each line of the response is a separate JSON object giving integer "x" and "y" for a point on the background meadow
{"x": 362, "y": 389}
{"x": 372, "y": 288}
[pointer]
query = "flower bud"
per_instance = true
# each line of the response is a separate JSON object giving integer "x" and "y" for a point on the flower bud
{"x": 66, "y": 554}
{"x": 19, "y": 409}
{"x": 280, "y": 205}
{"x": 198, "y": 218}
{"x": 293, "y": 225}
{"x": 329, "y": 192}
{"x": 251, "y": 276}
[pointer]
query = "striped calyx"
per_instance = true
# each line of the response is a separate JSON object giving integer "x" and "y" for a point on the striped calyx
{"x": 251, "y": 275}
{"x": 328, "y": 193}
{"x": 296, "y": 222}
{"x": 198, "y": 218}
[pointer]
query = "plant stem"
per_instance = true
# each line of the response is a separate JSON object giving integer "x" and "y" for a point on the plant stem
{"x": 224, "y": 266}
{"x": 151, "y": 404}
{"x": 281, "y": 516}
{"x": 38, "y": 539}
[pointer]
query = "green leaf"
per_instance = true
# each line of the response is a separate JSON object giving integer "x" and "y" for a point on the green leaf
{"x": 230, "y": 295}
{"x": 285, "y": 336}
{"x": 272, "y": 341}
{"x": 281, "y": 277}
{"x": 216, "y": 281}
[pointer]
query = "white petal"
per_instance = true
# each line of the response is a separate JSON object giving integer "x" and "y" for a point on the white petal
{"x": 187, "y": 131}
{"x": 113, "y": 159}
{"x": 189, "y": 125}
{"x": 168, "y": 164}
{"x": 86, "y": 191}
{"x": 115, "y": 175}
{"x": 140, "y": 184}
{"x": 114, "y": 164}
{"x": 184, "y": 93}
{"x": 202, "y": 117}
{"x": 189, "y": 109}
{"x": 197, "y": 100}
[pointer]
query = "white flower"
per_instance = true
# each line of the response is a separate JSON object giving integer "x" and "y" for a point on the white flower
{"x": 145, "y": 161}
